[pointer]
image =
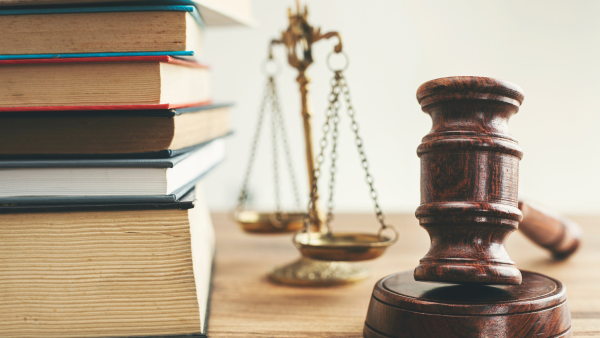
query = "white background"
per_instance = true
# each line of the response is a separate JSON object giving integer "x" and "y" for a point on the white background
{"x": 550, "y": 48}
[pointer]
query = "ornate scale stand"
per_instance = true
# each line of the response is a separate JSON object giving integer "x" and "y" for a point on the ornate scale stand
{"x": 328, "y": 258}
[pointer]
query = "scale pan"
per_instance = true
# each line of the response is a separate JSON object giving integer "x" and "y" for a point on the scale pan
{"x": 346, "y": 247}
{"x": 269, "y": 222}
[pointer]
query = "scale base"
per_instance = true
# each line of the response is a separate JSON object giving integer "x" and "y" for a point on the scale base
{"x": 404, "y": 308}
{"x": 309, "y": 272}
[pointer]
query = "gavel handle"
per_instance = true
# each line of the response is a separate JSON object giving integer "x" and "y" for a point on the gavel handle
{"x": 549, "y": 230}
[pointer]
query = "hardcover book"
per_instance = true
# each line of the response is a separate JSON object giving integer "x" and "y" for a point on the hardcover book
{"x": 106, "y": 270}
{"x": 125, "y": 133}
{"x": 103, "y": 83}
{"x": 100, "y": 31}
{"x": 106, "y": 180}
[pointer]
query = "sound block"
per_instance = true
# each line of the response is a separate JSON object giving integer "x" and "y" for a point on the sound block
{"x": 404, "y": 308}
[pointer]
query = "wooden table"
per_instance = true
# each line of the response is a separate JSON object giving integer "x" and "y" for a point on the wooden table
{"x": 245, "y": 304}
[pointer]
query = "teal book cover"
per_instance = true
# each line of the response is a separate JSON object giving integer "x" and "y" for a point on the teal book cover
{"x": 186, "y": 54}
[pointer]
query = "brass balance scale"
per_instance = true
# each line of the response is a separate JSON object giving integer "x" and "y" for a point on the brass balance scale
{"x": 328, "y": 258}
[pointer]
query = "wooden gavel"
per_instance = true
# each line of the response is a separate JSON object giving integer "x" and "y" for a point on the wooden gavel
{"x": 469, "y": 206}
{"x": 469, "y": 178}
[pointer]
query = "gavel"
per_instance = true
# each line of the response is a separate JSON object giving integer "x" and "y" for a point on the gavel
{"x": 469, "y": 178}
{"x": 469, "y": 206}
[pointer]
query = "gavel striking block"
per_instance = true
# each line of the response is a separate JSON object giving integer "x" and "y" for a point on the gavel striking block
{"x": 404, "y": 308}
{"x": 469, "y": 179}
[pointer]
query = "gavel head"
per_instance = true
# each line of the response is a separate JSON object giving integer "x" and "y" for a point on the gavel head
{"x": 469, "y": 180}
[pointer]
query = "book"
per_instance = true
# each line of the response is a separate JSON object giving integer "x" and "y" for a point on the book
{"x": 213, "y": 12}
{"x": 106, "y": 180}
{"x": 116, "y": 30}
{"x": 103, "y": 83}
{"x": 106, "y": 273}
{"x": 125, "y": 133}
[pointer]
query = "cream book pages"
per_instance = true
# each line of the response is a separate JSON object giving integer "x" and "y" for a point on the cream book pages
{"x": 105, "y": 273}
{"x": 100, "y": 32}
{"x": 95, "y": 82}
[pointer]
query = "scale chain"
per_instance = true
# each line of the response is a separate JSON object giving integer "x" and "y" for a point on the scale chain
{"x": 361, "y": 152}
{"x": 286, "y": 149}
{"x": 271, "y": 97}
{"x": 275, "y": 153}
{"x": 334, "y": 137}
{"x": 339, "y": 87}
{"x": 312, "y": 208}
{"x": 244, "y": 192}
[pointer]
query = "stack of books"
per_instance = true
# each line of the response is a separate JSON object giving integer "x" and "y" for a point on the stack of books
{"x": 106, "y": 130}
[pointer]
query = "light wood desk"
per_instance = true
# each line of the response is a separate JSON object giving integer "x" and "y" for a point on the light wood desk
{"x": 245, "y": 304}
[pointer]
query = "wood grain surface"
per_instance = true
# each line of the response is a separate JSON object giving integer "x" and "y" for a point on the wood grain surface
{"x": 245, "y": 304}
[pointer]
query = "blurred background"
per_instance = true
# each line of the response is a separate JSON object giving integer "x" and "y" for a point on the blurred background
{"x": 549, "y": 48}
